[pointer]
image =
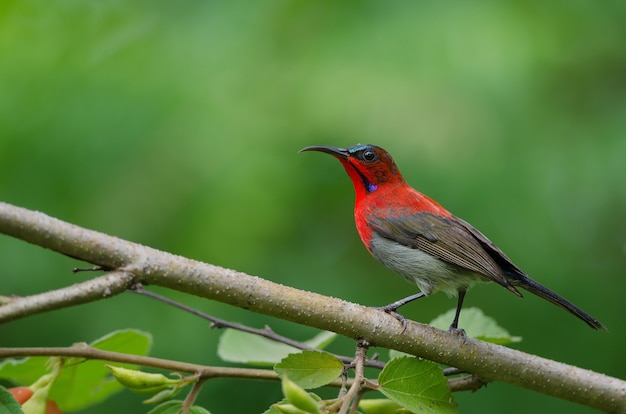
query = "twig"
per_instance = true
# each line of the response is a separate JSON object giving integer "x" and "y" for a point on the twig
{"x": 266, "y": 332}
{"x": 349, "y": 399}
{"x": 191, "y": 397}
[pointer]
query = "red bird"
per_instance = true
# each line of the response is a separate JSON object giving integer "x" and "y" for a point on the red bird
{"x": 417, "y": 238}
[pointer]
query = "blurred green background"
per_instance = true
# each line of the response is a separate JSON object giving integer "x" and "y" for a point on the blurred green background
{"x": 177, "y": 125}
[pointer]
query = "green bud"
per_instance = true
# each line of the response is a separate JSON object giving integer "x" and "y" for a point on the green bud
{"x": 139, "y": 381}
{"x": 288, "y": 409}
{"x": 379, "y": 406}
{"x": 299, "y": 397}
{"x": 45, "y": 381}
{"x": 37, "y": 403}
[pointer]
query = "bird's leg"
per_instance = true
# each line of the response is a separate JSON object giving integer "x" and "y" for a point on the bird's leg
{"x": 392, "y": 307}
{"x": 454, "y": 327}
{"x": 395, "y": 305}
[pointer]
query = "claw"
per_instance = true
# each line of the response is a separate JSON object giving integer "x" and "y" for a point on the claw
{"x": 458, "y": 331}
{"x": 392, "y": 311}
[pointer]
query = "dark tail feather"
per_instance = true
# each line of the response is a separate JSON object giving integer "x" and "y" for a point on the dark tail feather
{"x": 543, "y": 292}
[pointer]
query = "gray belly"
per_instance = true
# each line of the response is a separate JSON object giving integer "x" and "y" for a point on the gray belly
{"x": 429, "y": 273}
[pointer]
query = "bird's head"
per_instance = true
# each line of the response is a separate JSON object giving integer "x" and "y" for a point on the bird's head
{"x": 369, "y": 166}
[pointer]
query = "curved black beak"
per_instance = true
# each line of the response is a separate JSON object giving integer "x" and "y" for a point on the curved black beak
{"x": 336, "y": 152}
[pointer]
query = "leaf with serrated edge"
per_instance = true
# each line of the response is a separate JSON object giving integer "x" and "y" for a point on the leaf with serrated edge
{"x": 82, "y": 383}
{"x": 418, "y": 385}
{"x": 476, "y": 325}
{"x": 397, "y": 354}
{"x": 310, "y": 369}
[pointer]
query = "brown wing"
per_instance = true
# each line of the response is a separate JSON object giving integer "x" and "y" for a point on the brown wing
{"x": 451, "y": 240}
{"x": 494, "y": 251}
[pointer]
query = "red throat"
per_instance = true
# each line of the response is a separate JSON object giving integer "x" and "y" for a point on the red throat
{"x": 370, "y": 178}
{"x": 357, "y": 180}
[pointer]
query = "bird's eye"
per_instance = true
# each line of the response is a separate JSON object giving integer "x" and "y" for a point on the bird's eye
{"x": 369, "y": 156}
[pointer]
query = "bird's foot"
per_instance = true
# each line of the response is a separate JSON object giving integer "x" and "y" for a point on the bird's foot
{"x": 456, "y": 330}
{"x": 391, "y": 310}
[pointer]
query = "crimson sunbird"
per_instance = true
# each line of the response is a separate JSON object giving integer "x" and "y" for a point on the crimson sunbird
{"x": 417, "y": 238}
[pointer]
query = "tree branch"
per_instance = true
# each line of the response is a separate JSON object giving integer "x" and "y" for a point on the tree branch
{"x": 466, "y": 383}
{"x": 134, "y": 263}
{"x": 87, "y": 352}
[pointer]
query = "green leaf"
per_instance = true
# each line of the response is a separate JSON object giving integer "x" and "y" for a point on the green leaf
{"x": 82, "y": 382}
{"x": 169, "y": 407}
{"x": 476, "y": 325}
{"x": 397, "y": 354}
{"x": 23, "y": 371}
{"x": 89, "y": 382}
{"x": 247, "y": 348}
{"x": 288, "y": 409}
{"x": 198, "y": 410}
{"x": 418, "y": 385}
{"x": 163, "y": 396}
{"x": 272, "y": 410}
{"x": 175, "y": 407}
{"x": 310, "y": 369}
{"x": 282, "y": 407}
{"x": 8, "y": 404}
{"x": 237, "y": 346}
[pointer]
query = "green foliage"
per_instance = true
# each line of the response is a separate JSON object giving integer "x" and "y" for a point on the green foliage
{"x": 81, "y": 383}
{"x": 418, "y": 385}
{"x": 8, "y": 404}
{"x": 411, "y": 384}
{"x": 298, "y": 398}
{"x": 175, "y": 407}
{"x": 477, "y": 325}
{"x": 246, "y": 348}
{"x": 310, "y": 369}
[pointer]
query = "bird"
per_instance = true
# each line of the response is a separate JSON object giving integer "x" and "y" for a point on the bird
{"x": 417, "y": 238}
